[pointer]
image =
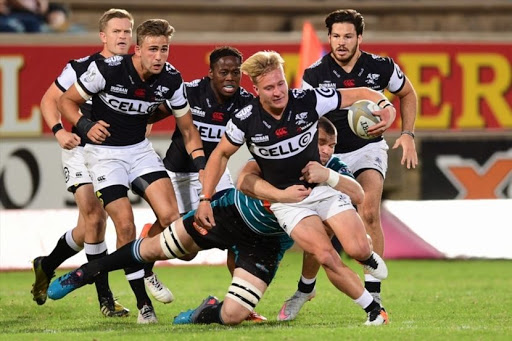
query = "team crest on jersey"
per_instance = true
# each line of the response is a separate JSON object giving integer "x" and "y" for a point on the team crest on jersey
{"x": 300, "y": 119}
{"x": 244, "y": 113}
{"x": 372, "y": 78}
{"x": 161, "y": 90}
{"x": 114, "y": 60}
{"x": 298, "y": 93}
{"x": 89, "y": 75}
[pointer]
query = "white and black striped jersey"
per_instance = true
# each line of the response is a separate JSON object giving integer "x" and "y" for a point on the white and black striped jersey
{"x": 74, "y": 69}
{"x": 283, "y": 147}
{"x": 124, "y": 101}
{"x": 371, "y": 71}
{"x": 209, "y": 117}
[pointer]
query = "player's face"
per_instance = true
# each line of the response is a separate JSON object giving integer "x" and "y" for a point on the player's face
{"x": 326, "y": 144}
{"x": 117, "y": 37}
{"x": 225, "y": 76}
{"x": 344, "y": 42}
{"x": 153, "y": 53}
{"x": 273, "y": 91}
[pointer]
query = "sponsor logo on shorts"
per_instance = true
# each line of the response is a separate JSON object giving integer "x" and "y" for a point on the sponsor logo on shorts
{"x": 101, "y": 178}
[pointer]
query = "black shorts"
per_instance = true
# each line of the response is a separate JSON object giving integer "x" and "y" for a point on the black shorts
{"x": 257, "y": 254}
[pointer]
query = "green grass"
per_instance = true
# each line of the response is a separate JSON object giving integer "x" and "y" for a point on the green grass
{"x": 426, "y": 300}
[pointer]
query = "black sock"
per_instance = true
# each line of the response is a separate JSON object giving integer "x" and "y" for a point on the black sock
{"x": 372, "y": 287}
{"x": 210, "y": 314}
{"x": 123, "y": 258}
{"x": 148, "y": 269}
{"x": 138, "y": 286}
{"x": 59, "y": 254}
{"x": 373, "y": 305}
{"x": 101, "y": 281}
{"x": 306, "y": 288}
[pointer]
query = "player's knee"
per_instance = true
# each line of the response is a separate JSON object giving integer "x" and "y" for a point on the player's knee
{"x": 324, "y": 256}
{"x": 244, "y": 297}
{"x": 125, "y": 232}
{"x": 168, "y": 218}
{"x": 171, "y": 244}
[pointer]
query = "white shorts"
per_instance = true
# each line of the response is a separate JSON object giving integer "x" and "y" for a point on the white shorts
{"x": 75, "y": 171}
{"x": 324, "y": 201}
{"x": 373, "y": 156}
{"x": 111, "y": 165}
{"x": 188, "y": 188}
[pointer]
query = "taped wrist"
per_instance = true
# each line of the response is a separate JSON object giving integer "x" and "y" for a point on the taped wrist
{"x": 84, "y": 125}
{"x": 334, "y": 178}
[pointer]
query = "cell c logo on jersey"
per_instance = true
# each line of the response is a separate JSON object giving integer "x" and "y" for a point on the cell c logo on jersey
{"x": 324, "y": 92}
{"x": 152, "y": 108}
{"x": 305, "y": 139}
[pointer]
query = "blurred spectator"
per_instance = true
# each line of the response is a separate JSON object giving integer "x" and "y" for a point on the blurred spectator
{"x": 58, "y": 19}
{"x": 23, "y": 15}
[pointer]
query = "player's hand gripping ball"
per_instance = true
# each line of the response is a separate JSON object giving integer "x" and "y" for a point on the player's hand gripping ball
{"x": 360, "y": 117}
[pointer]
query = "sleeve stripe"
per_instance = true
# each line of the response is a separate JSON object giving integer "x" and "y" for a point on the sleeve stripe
{"x": 81, "y": 91}
{"x": 178, "y": 112}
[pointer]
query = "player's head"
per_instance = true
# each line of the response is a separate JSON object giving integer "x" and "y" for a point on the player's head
{"x": 152, "y": 49}
{"x": 327, "y": 137}
{"x": 116, "y": 26}
{"x": 345, "y": 29}
{"x": 265, "y": 68}
{"x": 225, "y": 72}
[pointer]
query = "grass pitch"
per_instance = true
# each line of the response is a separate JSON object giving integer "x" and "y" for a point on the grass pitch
{"x": 436, "y": 300}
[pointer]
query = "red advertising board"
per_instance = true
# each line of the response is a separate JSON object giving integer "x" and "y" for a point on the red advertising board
{"x": 460, "y": 86}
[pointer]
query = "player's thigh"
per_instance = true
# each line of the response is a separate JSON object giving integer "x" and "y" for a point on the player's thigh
{"x": 121, "y": 213}
{"x": 350, "y": 231}
{"x": 310, "y": 234}
{"x": 88, "y": 203}
{"x": 160, "y": 196}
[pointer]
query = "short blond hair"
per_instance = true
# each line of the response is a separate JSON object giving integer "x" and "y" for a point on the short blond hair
{"x": 114, "y": 13}
{"x": 261, "y": 63}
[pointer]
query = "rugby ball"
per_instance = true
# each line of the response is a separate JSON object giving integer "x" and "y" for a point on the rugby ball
{"x": 360, "y": 117}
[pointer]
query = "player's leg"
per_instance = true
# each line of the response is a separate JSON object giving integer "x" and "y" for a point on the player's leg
{"x": 310, "y": 235}
{"x": 372, "y": 183}
{"x": 305, "y": 289}
{"x": 160, "y": 195}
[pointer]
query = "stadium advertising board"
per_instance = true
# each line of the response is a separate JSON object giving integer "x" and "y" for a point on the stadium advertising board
{"x": 456, "y": 168}
{"x": 460, "y": 86}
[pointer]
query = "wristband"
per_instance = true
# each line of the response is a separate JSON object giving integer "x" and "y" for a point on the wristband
{"x": 204, "y": 197}
{"x": 333, "y": 179}
{"x": 407, "y": 132}
{"x": 387, "y": 105}
{"x": 84, "y": 125}
{"x": 199, "y": 162}
{"x": 56, "y": 128}
{"x": 382, "y": 100}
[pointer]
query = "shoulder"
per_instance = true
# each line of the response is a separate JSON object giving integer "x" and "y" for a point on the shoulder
{"x": 245, "y": 94}
{"x": 376, "y": 59}
{"x": 170, "y": 70}
{"x": 247, "y": 112}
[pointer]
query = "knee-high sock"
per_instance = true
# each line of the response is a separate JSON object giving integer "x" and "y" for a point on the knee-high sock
{"x": 97, "y": 251}
{"x": 65, "y": 248}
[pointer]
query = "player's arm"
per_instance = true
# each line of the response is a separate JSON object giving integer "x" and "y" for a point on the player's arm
{"x": 408, "y": 109}
{"x": 160, "y": 113}
{"x": 314, "y": 172}
{"x": 191, "y": 137}
{"x": 252, "y": 184}
{"x": 387, "y": 114}
{"x": 69, "y": 104}
{"x": 217, "y": 163}
{"x": 52, "y": 117}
